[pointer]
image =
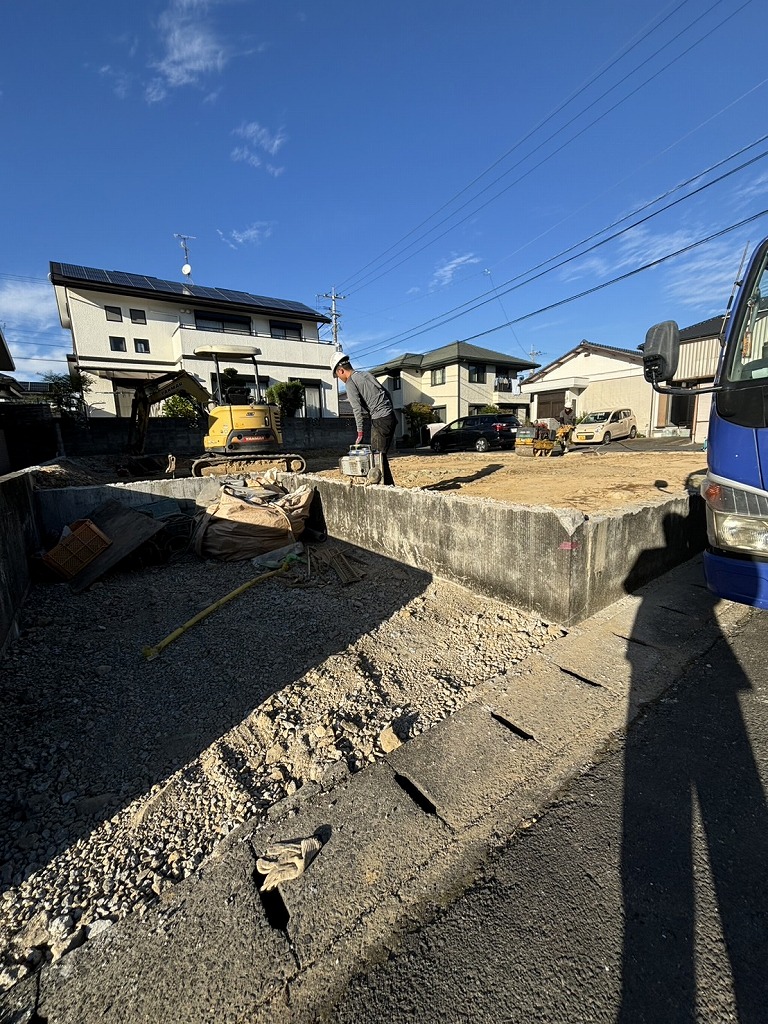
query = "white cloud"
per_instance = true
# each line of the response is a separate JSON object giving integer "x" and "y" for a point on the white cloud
{"x": 446, "y": 271}
{"x": 259, "y": 141}
{"x": 243, "y": 153}
{"x": 255, "y": 234}
{"x": 261, "y": 137}
{"x": 31, "y": 327}
{"x": 192, "y": 49}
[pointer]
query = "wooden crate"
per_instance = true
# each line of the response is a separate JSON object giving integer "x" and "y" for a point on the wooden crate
{"x": 76, "y": 550}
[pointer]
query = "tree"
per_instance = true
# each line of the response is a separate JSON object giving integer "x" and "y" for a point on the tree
{"x": 288, "y": 394}
{"x": 181, "y": 408}
{"x": 67, "y": 391}
{"x": 489, "y": 410}
{"x": 418, "y": 415}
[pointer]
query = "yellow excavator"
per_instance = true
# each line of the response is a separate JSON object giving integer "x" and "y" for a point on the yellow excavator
{"x": 243, "y": 429}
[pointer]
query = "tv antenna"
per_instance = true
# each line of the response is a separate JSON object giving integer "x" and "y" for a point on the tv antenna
{"x": 183, "y": 239}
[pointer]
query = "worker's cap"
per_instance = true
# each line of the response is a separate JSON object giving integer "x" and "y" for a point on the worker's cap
{"x": 336, "y": 360}
{"x": 568, "y": 408}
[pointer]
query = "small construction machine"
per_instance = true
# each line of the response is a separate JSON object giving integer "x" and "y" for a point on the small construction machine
{"x": 243, "y": 429}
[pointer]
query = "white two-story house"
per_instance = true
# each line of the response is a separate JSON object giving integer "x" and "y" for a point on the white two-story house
{"x": 128, "y": 328}
{"x": 455, "y": 380}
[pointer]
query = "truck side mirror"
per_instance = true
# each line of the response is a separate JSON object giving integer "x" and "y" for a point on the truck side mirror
{"x": 661, "y": 352}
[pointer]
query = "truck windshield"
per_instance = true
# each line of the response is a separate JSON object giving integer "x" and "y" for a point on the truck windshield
{"x": 747, "y": 356}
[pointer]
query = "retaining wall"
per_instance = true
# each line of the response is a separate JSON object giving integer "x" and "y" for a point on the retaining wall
{"x": 19, "y": 542}
{"x": 561, "y": 564}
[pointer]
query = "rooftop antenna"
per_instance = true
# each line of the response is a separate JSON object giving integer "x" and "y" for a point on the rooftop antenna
{"x": 183, "y": 239}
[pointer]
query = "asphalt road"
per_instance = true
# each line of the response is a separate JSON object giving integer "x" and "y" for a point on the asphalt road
{"x": 640, "y": 896}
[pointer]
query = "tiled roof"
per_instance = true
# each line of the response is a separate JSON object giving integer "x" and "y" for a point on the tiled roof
{"x": 706, "y": 329}
{"x": 456, "y": 352}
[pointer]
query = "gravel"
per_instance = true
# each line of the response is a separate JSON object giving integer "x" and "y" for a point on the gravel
{"x": 121, "y": 775}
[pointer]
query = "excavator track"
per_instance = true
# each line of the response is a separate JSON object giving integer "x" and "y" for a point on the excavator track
{"x": 224, "y": 465}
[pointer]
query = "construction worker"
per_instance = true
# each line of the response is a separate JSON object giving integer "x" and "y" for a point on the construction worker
{"x": 366, "y": 394}
{"x": 567, "y": 422}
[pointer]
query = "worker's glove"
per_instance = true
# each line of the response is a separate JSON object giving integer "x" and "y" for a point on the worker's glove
{"x": 285, "y": 861}
{"x": 359, "y": 437}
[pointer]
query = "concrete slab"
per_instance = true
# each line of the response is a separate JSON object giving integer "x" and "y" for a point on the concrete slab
{"x": 374, "y": 835}
{"x": 551, "y": 706}
{"x": 466, "y": 764}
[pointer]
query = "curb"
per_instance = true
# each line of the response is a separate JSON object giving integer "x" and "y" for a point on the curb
{"x": 401, "y": 839}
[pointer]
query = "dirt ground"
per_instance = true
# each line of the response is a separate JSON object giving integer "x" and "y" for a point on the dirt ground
{"x": 590, "y": 479}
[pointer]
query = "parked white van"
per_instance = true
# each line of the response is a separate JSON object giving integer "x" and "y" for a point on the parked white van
{"x": 604, "y": 427}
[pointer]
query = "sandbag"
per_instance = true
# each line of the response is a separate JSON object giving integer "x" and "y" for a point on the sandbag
{"x": 238, "y": 526}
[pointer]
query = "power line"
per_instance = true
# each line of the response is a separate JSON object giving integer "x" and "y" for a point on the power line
{"x": 380, "y": 272}
{"x": 622, "y": 277}
{"x": 623, "y": 52}
{"x": 530, "y": 275}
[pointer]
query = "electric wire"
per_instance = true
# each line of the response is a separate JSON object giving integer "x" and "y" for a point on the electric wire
{"x": 527, "y": 277}
{"x": 363, "y": 282}
{"x": 621, "y": 277}
{"x": 620, "y": 54}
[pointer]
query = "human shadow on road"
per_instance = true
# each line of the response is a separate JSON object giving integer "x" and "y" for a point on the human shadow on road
{"x": 695, "y": 826}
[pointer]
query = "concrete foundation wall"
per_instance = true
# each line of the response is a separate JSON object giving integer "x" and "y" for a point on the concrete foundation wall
{"x": 562, "y": 564}
{"x": 19, "y": 542}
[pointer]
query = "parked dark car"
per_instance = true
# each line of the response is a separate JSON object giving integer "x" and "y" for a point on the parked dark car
{"x": 481, "y": 432}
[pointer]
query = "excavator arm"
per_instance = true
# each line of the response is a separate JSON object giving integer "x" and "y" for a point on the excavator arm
{"x": 150, "y": 392}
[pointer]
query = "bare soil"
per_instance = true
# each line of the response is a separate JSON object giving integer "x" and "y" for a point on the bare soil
{"x": 590, "y": 480}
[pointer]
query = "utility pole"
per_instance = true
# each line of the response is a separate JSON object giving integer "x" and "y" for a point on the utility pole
{"x": 333, "y": 296}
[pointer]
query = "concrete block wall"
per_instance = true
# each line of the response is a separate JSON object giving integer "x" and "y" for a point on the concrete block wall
{"x": 164, "y": 435}
{"x": 20, "y": 540}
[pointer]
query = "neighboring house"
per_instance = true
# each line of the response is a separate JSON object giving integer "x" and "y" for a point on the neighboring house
{"x": 128, "y": 328}
{"x": 6, "y": 359}
{"x": 591, "y": 377}
{"x": 455, "y": 380}
{"x": 10, "y": 389}
{"x": 700, "y": 349}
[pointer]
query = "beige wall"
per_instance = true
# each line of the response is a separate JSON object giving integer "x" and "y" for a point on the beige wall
{"x": 593, "y": 381}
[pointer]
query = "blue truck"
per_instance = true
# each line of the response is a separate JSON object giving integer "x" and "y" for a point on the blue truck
{"x": 736, "y": 485}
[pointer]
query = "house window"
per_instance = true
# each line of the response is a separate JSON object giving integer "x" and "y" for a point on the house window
{"x": 114, "y": 313}
{"x": 438, "y": 376}
{"x": 476, "y": 373}
{"x": 438, "y": 414}
{"x": 225, "y": 323}
{"x": 141, "y": 345}
{"x": 397, "y": 383}
{"x": 285, "y": 331}
{"x": 117, "y": 344}
{"x": 138, "y": 316}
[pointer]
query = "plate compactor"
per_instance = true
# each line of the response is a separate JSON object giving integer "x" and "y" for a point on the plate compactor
{"x": 361, "y": 464}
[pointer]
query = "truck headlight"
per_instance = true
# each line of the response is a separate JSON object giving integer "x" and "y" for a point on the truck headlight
{"x": 737, "y": 519}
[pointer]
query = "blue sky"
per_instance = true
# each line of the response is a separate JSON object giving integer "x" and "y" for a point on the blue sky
{"x": 431, "y": 161}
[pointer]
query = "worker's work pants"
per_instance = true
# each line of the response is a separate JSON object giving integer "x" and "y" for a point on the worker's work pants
{"x": 382, "y": 436}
